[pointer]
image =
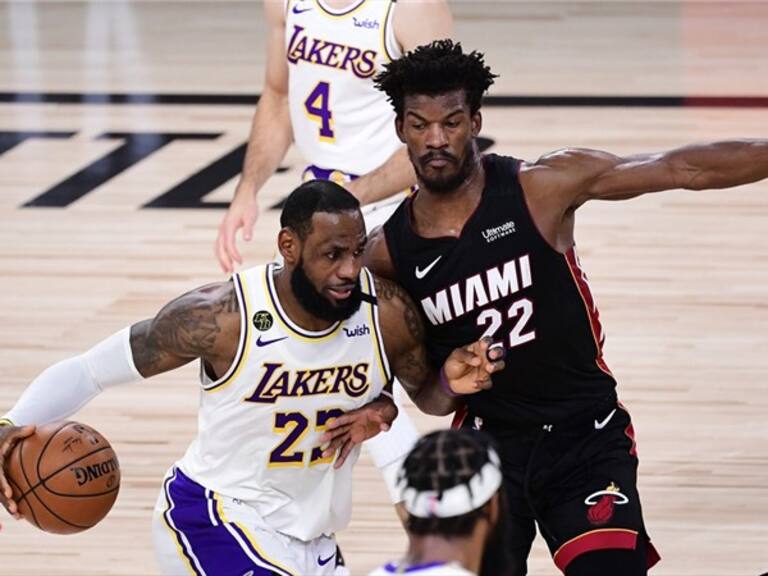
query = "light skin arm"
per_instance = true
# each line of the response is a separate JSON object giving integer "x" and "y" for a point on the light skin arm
{"x": 416, "y": 22}
{"x": 271, "y": 136}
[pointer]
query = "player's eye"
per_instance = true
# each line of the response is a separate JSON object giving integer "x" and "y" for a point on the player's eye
{"x": 418, "y": 125}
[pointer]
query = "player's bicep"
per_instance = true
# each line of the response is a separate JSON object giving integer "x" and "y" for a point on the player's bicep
{"x": 633, "y": 176}
{"x": 150, "y": 356}
{"x": 199, "y": 324}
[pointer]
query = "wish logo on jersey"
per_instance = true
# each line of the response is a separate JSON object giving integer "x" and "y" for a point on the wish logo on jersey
{"x": 301, "y": 47}
{"x": 277, "y": 382}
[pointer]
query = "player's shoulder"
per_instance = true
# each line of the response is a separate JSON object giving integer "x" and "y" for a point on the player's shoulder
{"x": 397, "y": 311}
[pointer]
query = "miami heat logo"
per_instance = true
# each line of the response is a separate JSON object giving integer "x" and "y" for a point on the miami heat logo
{"x": 602, "y": 502}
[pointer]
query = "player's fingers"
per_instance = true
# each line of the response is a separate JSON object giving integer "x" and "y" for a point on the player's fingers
{"x": 496, "y": 351}
{"x": 230, "y": 241}
{"x": 483, "y": 384}
{"x": 221, "y": 254}
{"x": 333, "y": 436}
{"x": 248, "y": 221}
{"x": 343, "y": 453}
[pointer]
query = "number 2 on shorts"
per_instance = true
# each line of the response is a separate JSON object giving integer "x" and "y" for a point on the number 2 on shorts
{"x": 318, "y": 109}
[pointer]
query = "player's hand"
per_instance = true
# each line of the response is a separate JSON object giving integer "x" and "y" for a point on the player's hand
{"x": 357, "y": 426}
{"x": 9, "y": 436}
{"x": 242, "y": 213}
{"x": 468, "y": 369}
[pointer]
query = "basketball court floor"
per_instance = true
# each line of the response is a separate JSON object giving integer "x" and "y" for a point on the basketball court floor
{"x": 122, "y": 126}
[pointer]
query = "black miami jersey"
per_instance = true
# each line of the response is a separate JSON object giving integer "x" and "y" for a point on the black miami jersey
{"x": 501, "y": 278}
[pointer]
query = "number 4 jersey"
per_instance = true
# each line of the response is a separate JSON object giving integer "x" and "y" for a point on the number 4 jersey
{"x": 340, "y": 120}
{"x": 259, "y": 425}
{"x": 500, "y": 278}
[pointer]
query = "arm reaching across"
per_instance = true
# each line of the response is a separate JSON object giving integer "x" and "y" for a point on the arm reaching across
{"x": 466, "y": 371}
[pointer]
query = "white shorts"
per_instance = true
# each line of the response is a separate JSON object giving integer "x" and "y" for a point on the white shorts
{"x": 197, "y": 531}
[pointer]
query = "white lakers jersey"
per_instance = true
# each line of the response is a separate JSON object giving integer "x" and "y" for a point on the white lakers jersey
{"x": 259, "y": 426}
{"x": 431, "y": 569}
{"x": 340, "y": 120}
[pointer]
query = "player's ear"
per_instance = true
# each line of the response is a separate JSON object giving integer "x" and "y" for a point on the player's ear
{"x": 477, "y": 123}
{"x": 289, "y": 245}
{"x": 399, "y": 129}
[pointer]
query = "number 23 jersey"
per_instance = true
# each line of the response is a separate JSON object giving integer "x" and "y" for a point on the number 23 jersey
{"x": 500, "y": 278}
{"x": 259, "y": 425}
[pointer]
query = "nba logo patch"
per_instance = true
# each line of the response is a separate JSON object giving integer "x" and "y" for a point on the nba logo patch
{"x": 263, "y": 320}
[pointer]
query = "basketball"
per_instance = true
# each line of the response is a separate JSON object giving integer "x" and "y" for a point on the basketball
{"x": 65, "y": 477}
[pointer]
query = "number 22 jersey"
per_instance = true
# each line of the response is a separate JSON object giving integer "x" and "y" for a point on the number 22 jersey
{"x": 500, "y": 278}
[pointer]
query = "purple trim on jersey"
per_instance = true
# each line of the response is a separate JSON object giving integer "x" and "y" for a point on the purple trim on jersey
{"x": 317, "y": 173}
{"x": 393, "y": 568}
{"x": 204, "y": 535}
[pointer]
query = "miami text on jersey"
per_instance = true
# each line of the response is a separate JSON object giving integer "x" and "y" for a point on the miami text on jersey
{"x": 277, "y": 382}
{"x": 478, "y": 290}
{"x": 332, "y": 54}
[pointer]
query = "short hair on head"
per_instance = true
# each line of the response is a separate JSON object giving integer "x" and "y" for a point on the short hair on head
{"x": 311, "y": 197}
{"x": 433, "y": 69}
{"x": 438, "y": 462}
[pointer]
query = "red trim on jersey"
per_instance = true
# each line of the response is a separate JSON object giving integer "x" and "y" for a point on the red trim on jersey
{"x": 604, "y": 539}
{"x": 629, "y": 431}
{"x": 580, "y": 279}
{"x": 459, "y": 416}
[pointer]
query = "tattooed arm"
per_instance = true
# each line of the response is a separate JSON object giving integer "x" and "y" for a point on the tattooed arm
{"x": 467, "y": 370}
{"x": 203, "y": 323}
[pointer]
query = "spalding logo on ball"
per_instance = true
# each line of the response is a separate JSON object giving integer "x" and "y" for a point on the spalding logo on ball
{"x": 65, "y": 477}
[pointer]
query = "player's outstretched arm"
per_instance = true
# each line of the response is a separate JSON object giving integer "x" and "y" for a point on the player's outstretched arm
{"x": 466, "y": 371}
{"x": 269, "y": 139}
{"x": 571, "y": 177}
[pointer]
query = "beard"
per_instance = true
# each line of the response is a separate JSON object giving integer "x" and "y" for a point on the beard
{"x": 444, "y": 184}
{"x": 318, "y": 305}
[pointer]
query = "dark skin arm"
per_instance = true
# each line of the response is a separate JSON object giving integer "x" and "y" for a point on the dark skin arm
{"x": 468, "y": 369}
{"x": 203, "y": 323}
{"x": 558, "y": 183}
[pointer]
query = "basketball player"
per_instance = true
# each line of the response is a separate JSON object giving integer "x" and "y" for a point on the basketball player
{"x": 452, "y": 487}
{"x": 486, "y": 247}
{"x": 283, "y": 351}
{"x": 318, "y": 90}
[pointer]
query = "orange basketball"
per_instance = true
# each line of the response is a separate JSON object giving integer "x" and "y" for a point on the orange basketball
{"x": 65, "y": 477}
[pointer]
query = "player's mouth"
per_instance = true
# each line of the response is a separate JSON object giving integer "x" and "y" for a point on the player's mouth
{"x": 340, "y": 292}
{"x": 438, "y": 161}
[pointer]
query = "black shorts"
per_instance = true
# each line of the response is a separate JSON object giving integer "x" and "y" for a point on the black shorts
{"x": 577, "y": 481}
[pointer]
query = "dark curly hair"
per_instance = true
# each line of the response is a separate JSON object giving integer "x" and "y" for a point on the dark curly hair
{"x": 433, "y": 69}
{"x": 440, "y": 461}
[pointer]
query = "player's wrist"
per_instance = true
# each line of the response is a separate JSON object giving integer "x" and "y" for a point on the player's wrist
{"x": 446, "y": 385}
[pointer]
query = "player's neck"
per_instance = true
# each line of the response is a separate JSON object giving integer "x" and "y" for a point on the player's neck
{"x": 293, "y": 308}
{"x": 338, "y": 4}
{"x": 430, "y": 549}
{"x": 438, "y": 214}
